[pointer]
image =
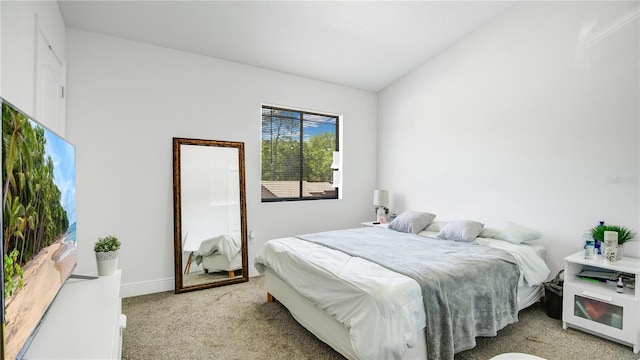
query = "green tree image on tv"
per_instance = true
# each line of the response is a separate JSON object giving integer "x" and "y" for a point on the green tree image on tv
{"x": 38, "y": 223}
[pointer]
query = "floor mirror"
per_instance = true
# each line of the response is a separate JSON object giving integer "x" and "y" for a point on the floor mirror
{"x": 210, "y": 217}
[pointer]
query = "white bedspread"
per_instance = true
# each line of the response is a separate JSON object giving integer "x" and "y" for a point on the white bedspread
{"x": 357, "y": 292}
{"x": 533, "y": 270}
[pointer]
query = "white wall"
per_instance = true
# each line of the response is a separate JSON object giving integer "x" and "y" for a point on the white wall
{"x": 20, "y": 21}
{"x": 532, "y": 118}
{"x": 126, "y": 101}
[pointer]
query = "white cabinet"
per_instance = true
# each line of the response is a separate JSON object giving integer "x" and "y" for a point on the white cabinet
{"x": 373, "y": 223}
{"x": 596, "y": 307}
{"x": 84, "y": 322}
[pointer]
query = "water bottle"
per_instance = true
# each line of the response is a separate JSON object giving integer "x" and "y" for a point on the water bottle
{"x": 589, "y": 245}
{"x": 599, "y": 246}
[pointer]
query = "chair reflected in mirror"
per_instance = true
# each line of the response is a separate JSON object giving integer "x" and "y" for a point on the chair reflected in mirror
{"x": 191, "y": 245}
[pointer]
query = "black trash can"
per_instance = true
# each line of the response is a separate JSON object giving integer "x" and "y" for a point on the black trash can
{"x": 553, "y": 296}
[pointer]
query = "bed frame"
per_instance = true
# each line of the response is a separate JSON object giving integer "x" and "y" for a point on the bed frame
{"x": 220, "y": 262}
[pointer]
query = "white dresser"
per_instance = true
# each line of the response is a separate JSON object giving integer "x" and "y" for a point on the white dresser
{"x": 84, "y": 322}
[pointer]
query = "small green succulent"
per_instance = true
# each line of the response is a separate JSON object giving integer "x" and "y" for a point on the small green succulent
{"x": 106, "y": 244}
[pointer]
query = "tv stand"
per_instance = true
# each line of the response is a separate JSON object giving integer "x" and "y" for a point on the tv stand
{"x": 83, "y": 277}
{"x": 84, "y": 322}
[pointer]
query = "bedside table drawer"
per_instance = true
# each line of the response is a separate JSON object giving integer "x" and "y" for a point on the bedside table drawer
{"x": 373, "y": 223}
{"x": 601, "y": 309}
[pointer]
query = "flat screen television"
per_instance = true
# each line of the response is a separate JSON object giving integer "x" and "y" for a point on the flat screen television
{"x": 38, "y": 224}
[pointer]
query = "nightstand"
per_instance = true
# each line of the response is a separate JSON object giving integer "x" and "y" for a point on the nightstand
{"x": 595, "y": 306}
{"x": 371, "y": 224}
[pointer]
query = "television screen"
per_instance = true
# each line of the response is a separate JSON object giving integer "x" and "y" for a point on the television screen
{"x": 38, "y": 223}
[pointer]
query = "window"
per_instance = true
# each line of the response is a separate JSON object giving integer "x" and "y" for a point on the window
{"x": 297, "y": 153}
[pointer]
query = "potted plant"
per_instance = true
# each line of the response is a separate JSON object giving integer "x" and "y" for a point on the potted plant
{"x": 624, "y": 235}
{"x": 106, "y": 250}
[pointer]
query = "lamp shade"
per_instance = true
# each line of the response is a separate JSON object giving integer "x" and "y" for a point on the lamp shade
{"x": 380, "y": 198}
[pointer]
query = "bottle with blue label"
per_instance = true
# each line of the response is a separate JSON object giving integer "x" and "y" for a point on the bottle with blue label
{"x": 589, "y": 245}
{"x": 599, "y": 249}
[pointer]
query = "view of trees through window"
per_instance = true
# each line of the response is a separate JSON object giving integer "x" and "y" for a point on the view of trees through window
{"x": 297, "y": 152}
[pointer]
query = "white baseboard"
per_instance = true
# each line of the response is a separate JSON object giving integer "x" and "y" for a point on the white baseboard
{"x": 160, "y": 285}
{"x": 146, "y": 287}
{"x": 253, "y": 272}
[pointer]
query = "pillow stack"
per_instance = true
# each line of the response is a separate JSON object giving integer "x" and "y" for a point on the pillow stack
{"x": 508, "y": 231}
{"x": 460, "y": 230}
{"x": 412, "y": 222}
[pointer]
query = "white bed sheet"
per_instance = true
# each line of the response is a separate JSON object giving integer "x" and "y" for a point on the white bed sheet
{"x": 353, "y": 291}
{"x": 356, "y": 292}
{"x": 336, "y": 334}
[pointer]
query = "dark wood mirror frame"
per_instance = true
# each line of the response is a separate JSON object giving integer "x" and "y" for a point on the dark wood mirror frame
{"x": 177, "y": 211}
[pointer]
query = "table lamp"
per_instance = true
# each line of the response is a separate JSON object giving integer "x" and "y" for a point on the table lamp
{"x": 380, "y": 201}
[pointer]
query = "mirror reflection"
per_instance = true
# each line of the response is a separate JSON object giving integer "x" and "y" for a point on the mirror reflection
{"x": 210, "y": 214}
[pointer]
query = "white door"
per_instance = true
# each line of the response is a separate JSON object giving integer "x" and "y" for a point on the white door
{"x": 50, "y": 82}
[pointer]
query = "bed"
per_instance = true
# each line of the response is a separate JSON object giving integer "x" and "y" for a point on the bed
{"x": 220, "y": 253}
{"x": 353, "y": 301}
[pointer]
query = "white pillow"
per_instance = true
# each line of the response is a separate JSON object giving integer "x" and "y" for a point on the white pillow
{"x": 411, "y": 221}
{"x": 508, "y": 231}
{"x": 436, "y": 226}
{"x": 461, "y": 230}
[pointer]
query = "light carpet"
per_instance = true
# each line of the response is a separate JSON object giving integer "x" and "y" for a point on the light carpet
{"x": 236, "y": 322}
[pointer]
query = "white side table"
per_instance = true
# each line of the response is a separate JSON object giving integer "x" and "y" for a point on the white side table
{"x": 373, "y": 223}
{"x": 596, "y": 307}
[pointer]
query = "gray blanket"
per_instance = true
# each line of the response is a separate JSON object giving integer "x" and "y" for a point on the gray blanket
{"x": 468, "y": 290}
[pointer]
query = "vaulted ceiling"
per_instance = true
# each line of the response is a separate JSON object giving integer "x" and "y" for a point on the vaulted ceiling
{"x": 361, "y": 44}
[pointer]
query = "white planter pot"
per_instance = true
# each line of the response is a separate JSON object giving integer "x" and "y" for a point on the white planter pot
{"x": 107, "y": 262}
{"x": 620, "y": 251}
